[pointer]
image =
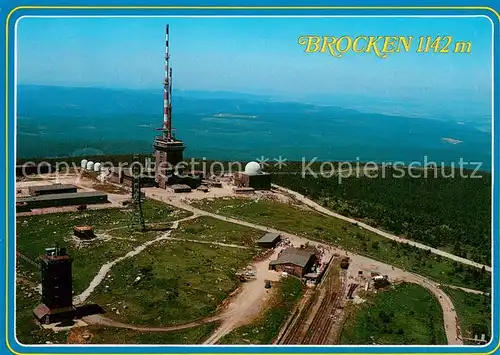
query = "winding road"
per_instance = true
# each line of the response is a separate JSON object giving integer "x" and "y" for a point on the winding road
{"x": 449, "y": 314}
{"x": 308, "y": 202}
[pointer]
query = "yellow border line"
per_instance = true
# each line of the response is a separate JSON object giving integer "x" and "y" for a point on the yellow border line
{"x": 484, "y": 8}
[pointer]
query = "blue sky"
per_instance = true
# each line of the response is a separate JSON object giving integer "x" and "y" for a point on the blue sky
{"x": 254, "y": 55}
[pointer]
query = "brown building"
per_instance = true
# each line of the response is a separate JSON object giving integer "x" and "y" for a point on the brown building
{"x": 297, "y": 262}
{"x": 57, "y": 298}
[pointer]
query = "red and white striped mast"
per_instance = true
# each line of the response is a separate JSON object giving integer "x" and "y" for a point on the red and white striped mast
{"x": 167, "y": 92}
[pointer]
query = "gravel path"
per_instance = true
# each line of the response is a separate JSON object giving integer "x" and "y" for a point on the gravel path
{"x": 208, "y": 242}
{"x": 97, "y": 319}
{"x": 79, "y": 299}
{"x": 323, "y": 210}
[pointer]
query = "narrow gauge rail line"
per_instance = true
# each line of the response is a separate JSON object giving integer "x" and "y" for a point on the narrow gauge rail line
{"x": 320, "y": 329}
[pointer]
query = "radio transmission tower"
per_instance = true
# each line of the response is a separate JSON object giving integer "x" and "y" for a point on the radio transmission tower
{"x": 137, "y": 217}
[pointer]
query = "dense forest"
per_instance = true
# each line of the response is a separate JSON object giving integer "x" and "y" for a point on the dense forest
{"x": 450, "y": 213}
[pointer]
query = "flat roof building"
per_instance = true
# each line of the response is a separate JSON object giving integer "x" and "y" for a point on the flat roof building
{"x": 66, "y": 199}
{"x": 32, "y": 169}
{"x": 51, "y": 189}
{"x": 243, "y": 190}
{"x": 180, "y": 188}
{"x": 269, "y": 240}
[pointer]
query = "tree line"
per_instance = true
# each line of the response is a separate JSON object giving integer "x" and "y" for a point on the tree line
{"x": 452, "y": 214}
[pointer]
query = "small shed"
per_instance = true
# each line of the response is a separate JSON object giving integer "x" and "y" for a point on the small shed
{"x": 180, "y": 188}
{"x": 269, "y": 240}
{"x": 84, "y": 232}
{"x": 202, "y": 188}
{"x": 243, "y": 190}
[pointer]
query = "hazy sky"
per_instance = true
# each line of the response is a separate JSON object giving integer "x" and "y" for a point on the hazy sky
{"x": 255, "y": 55}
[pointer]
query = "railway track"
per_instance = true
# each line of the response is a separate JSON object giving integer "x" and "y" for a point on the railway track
{"x": 319, "y": 331}
{"x": 297, "y": 327}
{"x": 313, "y": 323}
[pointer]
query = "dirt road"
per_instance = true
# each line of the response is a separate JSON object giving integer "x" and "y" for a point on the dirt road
{"x": 360, "y": 263}
{"x": 249, "y": 302}
{"x": 243, "y": 308}
{"x": 97, "y": 319}
{"x": 323, "y": 210}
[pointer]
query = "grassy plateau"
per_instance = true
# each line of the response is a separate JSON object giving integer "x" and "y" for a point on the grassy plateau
{"x": 310, "y": 224}
{"x": 406, "y": 314}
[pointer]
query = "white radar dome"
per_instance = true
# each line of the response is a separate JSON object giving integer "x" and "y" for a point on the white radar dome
{"x": 253, "y": 168}
{"x": 90, "y": 165}
{"x": 97, "y": 167}
{"x": 83, "y": 163}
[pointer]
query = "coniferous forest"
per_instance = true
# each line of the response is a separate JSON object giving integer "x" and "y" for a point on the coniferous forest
{"x": 450, "y": 213}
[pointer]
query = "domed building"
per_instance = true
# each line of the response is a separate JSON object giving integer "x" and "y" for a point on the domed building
{"x": 253, "y": 168}
{"x": 253, "y": 177}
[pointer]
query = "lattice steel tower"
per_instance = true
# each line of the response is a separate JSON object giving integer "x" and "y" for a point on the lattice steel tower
{"x": 137, "y": 217}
